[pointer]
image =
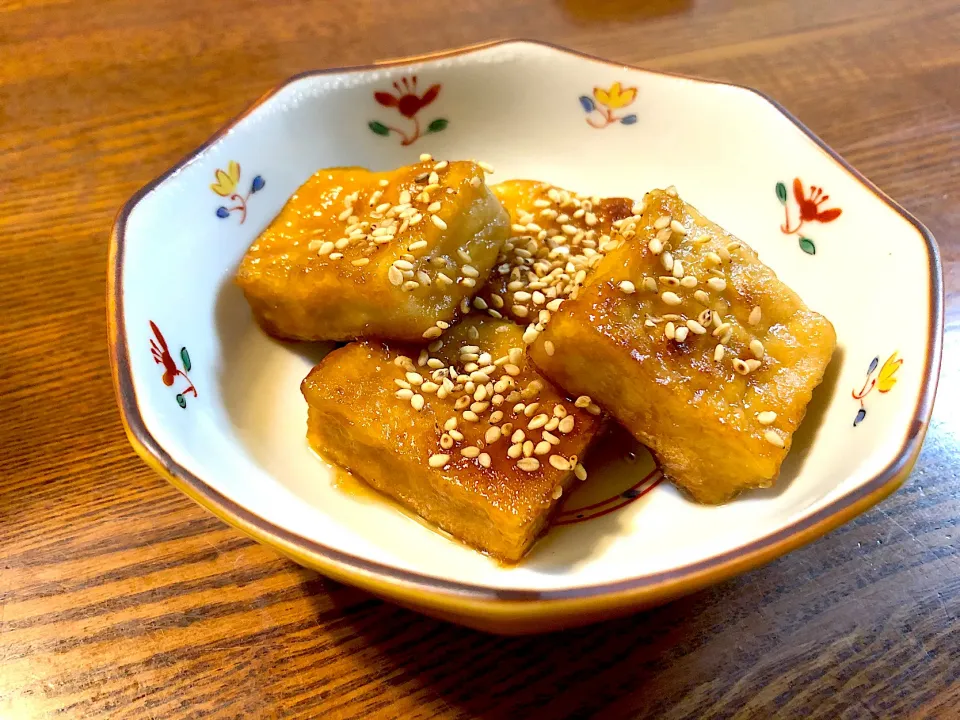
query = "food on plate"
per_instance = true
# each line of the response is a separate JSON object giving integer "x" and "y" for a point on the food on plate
{"x": 463, "y": 432}
{"x": 557, "y": 237}
{"x": 694, "y": 345}
{"x": 394, "y": 255}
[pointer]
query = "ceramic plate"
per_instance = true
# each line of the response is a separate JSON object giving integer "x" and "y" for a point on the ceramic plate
{"x": 214, "y": 404}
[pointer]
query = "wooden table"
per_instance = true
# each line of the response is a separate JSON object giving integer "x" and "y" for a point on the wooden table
{"x": 121, "y": 598}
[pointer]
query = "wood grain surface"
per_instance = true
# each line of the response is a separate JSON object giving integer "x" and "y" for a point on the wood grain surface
{"x": 119, "y": 598}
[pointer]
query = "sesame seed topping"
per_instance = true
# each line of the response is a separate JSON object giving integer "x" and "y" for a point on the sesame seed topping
{"x": 713, "y": 259}
{"x": 580, "y": 471}
{"x": 417, "y": 402}
{"x": 542, "y": 448}
{"x": 688, "y": 281}
{"x": 538, "y": 422}
{"x": 756, "y": 347}
{"x": 721, "y": 329}
{"x": 655, "y": 246}
{"x": 325, "y": 248}
{"x": 548, "y": 348}
{"x": 359, "y": 262}
{"x": 701, "y": 297}
{"x": 667, "y": 260}
{"x": 670, "y": 298}
{"x": 470, "y": 451}
{"x": 681, "y": 334}
{"x": 560, "y": 463}
{"x": 426, "y": 157}
{"x": 669, "y": 281}
{"x": 514, "y": 451}
{"x": 626, "y": 287}
{"x": 566, "y": 425}
{"x": 436, "y": 220}
{"x": 470, "y": 415}
{"x": 661, "y": 222}
{"x": 433, "y": 332}
{"x": 404, "y": 394}
{"x": 767, "y": 417}
{"x": 484, "y": 460}
{"x": 696, "y": 327}
{"x": 752, "y": 364}
{"x": 678, "y": 227}
{"x": 773, "y": 437}
{"x": 528, "y": 464}
{"x": 755, "y": 315}
{"x": 469, "y": 271}
{"x": 718, "y": 352}
{"x": 558, "y": 490}
{"x": 701, "y": 239}
{"x": 650, "y": 284}
{"x": 438, "y": 460}
{"x": 492, "y": 435}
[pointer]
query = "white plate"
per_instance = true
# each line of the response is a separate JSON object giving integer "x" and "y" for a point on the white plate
{"x": 229, "y": 427}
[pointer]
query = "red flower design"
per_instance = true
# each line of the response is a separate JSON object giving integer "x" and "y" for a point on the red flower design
{"x": 407, "y": 101}
{"x": 161, "y": 356}
{"x": 809, "y": 207}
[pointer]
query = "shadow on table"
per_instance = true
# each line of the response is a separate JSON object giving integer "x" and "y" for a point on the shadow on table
{"x": 611, "y": 668}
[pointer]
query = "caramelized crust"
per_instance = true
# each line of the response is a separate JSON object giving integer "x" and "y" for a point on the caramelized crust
{"x": 695, "y": 346}
{"x": 453, "y": 461}
{"x": 356, "y": 253}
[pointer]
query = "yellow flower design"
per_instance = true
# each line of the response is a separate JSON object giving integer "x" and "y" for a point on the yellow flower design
{"x": 888, "y": 373}
{"x": 226, "y": 183}
{"x": 616, "y": 96}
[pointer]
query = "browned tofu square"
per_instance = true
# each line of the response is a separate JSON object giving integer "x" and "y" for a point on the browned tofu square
{"x": 557, "y": 238}
{"x": 463, "y": 433}
{"x": 695, "y": 346}
{"x": 358, "y": 254}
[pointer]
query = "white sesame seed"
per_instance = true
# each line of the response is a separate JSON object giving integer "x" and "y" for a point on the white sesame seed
{"x": 667, "y": 260}
{"x": 628, "y": 287}
{"x": 580, "y": 471}
{"x": 701, "y": 239}
{"x": 677, "y": 269}
{"x": 655, "y": 246}
{"x": 740, "y": 366}
{"x": 678, "y": 227}
{"x": 661, "y": 222}
{"x": 438, "y": 460}
{"x": 767, "y": 417}
{"x": 721, "y": 329}
{"x": 718, "y": 284}
{"x": 670, "y": 298}
{"x": 650, "y": 284}
{"x": 325, "y": 248}
{"x": 433, "y": 332}
{"x": 436, "y": 220}
{"x": 549, "y": 436}
{"x": 548, "y": 348}
{"x": 701, "y": 297}
{"x": 752, "y": 364}
{"x": 404, "y": 394}
{"x": 514, "y": 451}
{"x": 558, "y": 490}
{"x": 528, "y": 464}
{"x": 755, "y": 316}
{"x": 440, "y": 165}
{"x": 360, "y": 262}
{"x": 470, "y": 416}
{"x": 566, "y": 424}
{"x": 696, "y": 327}
{"x": 713, "y": 259}
{"x": 450, "y": 424}
{"x": 511, "y": 369}
{"x": 669, "y": 281}
{"x": 718, "y": 352}
{"x": 470, "y": 451}
{"x": 417, "y": 402}
{"x": 417, "y": 245}
{"x": 756, "y": 347}
{"x": 426, "y": 157}
{"x": 681, "y": 334}
{"x": 542, "y": 448}
{"x": 670, "y": 331}
{"x": 529, "y": 335}
{"x": 484, "y": 460}
{"x": 773, "y": 437}
{"x": 429, "y": 387}
{"x": 468, "y": 282}
{"x": 537, "y": 422}
{"x": 688, "y": 281}
{"x": 470, "y": 271}
{"x": 560, "y": 463}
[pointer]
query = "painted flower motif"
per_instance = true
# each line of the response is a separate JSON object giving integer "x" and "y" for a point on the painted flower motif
{"x": 227, "y": 181}
{"x": 600, "y": 108}
{"x": 226, "y": 184}
{"x": 884, "y": 382}
{"x": 406, "y": 100}
{"x": 161, "y": 356}
{"x": 888, "y": 373}
{"x": 616, "y": 96}
{"x": 808, "y": 210}
{"x": 408, "y": 103}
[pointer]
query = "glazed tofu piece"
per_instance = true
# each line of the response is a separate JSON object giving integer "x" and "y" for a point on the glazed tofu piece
{"x": 391, "y": 255}
{"x": 464, "y": 433}
{"x": 557, "y": 238}
{"x": 695, "y": 346}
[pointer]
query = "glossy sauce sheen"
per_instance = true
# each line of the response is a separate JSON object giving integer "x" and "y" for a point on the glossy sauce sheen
{"x": 299, "y": 289}
{"x": 356, "y": 421}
